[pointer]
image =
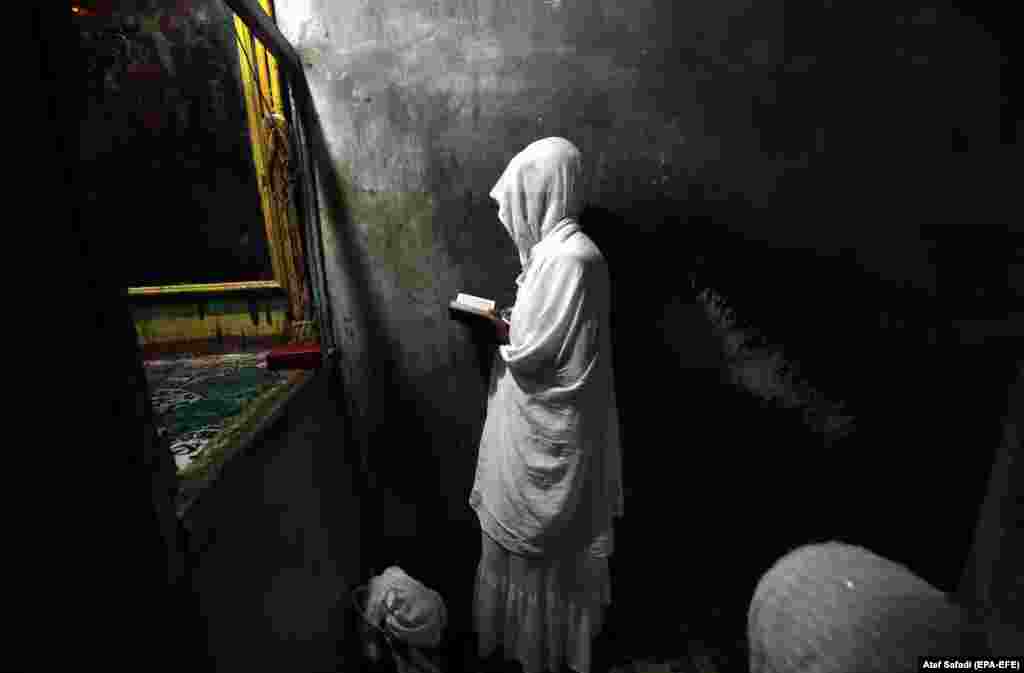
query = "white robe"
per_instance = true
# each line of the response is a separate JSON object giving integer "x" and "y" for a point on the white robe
{"x": 548, "y": 476}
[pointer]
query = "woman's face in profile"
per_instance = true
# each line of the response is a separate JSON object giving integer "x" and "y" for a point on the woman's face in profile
{"x": 499, "y": 212}
{"x": 502, "y": 216}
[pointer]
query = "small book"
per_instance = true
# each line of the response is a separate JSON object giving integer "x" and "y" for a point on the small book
{"x": 474, "y": 305}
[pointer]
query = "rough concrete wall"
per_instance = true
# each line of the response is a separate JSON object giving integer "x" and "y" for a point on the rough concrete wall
{"x": 423, "y": 103}
{"x": 796, "y": 129}
{"x": 992, "y": 582}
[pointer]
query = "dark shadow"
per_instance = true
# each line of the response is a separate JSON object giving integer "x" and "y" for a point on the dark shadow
{"x": 120, "y": 527}
{"x": 276, "y": 545}
{"x": 406, "y": 513}
{"x": 736, "y": 481}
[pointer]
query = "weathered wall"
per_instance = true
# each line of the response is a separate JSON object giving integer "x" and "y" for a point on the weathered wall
{"x": 807, "y": 129}
{"x": 992, "y": 581}
{"x": 423, "y": 104}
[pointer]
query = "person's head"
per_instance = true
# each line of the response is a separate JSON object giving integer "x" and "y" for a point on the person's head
{"x": 838, "y": 608}
{"x": 541, "y": 187}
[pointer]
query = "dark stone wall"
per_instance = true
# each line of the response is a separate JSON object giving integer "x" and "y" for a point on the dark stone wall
{"x": 794, "y": 156}
{"x": 791, "y": 157}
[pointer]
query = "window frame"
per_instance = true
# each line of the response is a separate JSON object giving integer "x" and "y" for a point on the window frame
{"x": 263, "y": 92}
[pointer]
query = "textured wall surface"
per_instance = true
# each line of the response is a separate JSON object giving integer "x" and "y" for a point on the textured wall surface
{"x": 422, "y": 105}
{"x": 819, "y": 129}
{"x": 992, "y": 581}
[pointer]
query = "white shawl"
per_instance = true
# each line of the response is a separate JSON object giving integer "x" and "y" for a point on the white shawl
{"x": 549, "y": 468}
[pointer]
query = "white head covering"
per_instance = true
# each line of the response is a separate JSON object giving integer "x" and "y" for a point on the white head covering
{"x": 540, "y": 189}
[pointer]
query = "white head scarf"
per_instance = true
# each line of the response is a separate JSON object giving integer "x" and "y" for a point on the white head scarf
{"x": 540, "y": 189}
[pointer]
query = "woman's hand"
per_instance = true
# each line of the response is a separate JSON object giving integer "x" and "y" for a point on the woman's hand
{"x": 501, "y": 326}
{"x": 503, "y": 330}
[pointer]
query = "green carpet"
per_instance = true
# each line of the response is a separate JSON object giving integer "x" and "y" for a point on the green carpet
{"x": 195, "y": 399}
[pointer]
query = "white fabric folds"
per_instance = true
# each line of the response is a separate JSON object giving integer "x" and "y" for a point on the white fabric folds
{"x": 540, "y": 612}
{"x": 548, "y": 477}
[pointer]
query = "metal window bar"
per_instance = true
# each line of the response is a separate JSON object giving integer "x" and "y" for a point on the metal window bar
{"x": 304, "y": 120}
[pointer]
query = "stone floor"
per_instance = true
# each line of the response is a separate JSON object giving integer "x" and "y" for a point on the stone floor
{"x": 288, "y": 532}
{"x": 687, "y": 654}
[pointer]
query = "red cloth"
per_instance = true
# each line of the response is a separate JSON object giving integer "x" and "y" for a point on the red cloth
{"x": 168, "y": 23}
{"x": 145, "y": 70}
{"x": 294, "y": 356}
{"x": 154, "y": 120}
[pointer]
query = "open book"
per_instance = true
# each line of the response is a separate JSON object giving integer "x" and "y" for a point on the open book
{"x": 475, "y": 305}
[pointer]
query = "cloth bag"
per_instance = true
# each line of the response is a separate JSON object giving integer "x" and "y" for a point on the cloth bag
{"x": 403, "y": 617}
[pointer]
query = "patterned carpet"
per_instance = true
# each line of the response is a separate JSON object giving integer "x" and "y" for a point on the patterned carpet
{"x": 197, "y": 398}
